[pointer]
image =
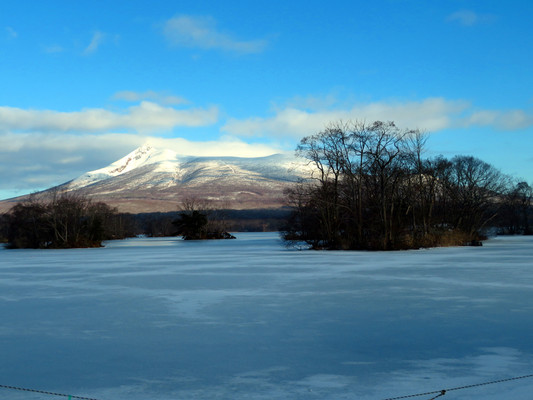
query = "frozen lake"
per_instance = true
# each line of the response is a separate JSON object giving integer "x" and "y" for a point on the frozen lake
{"x": 162, "y": 319}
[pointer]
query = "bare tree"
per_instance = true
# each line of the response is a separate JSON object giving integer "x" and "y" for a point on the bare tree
{"x": 475, "y": 185}
{"x": 516, "y": 209}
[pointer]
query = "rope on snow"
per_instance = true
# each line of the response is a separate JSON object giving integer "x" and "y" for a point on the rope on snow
{"x": 444, "y": 391}
{"x": 69, "y": 396}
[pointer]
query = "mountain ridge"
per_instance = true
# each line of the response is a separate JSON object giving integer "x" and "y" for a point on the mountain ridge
{"x": 152, "y": 180}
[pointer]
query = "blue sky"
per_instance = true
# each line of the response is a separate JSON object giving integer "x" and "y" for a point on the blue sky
{"x": 83, "y": 83}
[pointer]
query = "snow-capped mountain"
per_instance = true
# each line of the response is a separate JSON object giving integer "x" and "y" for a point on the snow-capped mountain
{"x": 165, "y": 168}
{"x": 149, "y": 179}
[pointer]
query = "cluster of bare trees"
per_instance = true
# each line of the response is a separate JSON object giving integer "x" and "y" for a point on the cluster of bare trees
{"x": 373, "y": 189}
{"x": 64, "y": 221}
{"x": 199, "y": 220}
{"x": 515, "y": 212}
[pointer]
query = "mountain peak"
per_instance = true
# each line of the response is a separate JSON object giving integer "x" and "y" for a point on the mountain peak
{"x": 132, "y": 160}
{"x": 149, "y": 179}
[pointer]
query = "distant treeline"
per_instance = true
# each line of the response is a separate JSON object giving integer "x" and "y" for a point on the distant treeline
{"x": 373, "y": 189}
{"x": 66, "y": 220}
{"x": 260, "y": 220}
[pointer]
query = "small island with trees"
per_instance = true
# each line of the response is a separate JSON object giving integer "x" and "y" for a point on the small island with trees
{"x": 372, "y": 190}
{"x": 198, "y": 220}
{"x": 63, "y": 221}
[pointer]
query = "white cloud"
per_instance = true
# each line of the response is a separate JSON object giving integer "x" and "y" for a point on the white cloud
{"x": 76, "y": 147}
{"x": 157, "y": 97}
{"x": 150, "y": 116}
{"x": 503, "y": 120}
{"x": 430, "y": 114}
{"x": 145, "y": 117}
{"x": 11, "y": 32}
{"x": 37, "y": 160}
{"x": 201, "y": 32}
{"x": 223, "y": 147}
{"x": 52, "y": 49}
{"x": 96, "y": 41}
{"x": 470, "y": 18}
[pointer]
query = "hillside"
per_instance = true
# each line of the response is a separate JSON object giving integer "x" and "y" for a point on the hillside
{"x": 153, "y": 180}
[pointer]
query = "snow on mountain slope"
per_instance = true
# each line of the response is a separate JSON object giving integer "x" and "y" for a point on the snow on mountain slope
{"x": 144, "y": 155}
{"x": 150, "y": 179}
{"x": 184, "y": 169}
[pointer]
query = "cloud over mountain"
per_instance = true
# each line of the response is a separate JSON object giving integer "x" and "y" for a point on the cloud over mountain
{"x": 144, "y": 117}
{"x": 431, "y": 114}
{"x": 38, "y": 160}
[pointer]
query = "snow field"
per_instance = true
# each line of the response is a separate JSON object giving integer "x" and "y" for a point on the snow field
{"x": 248, "y": 319}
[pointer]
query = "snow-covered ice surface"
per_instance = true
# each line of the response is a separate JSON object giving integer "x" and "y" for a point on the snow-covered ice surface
{"x": 163, "y": 319}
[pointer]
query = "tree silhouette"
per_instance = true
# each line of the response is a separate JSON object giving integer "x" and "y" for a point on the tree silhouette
{"x": 199, "y": 221}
